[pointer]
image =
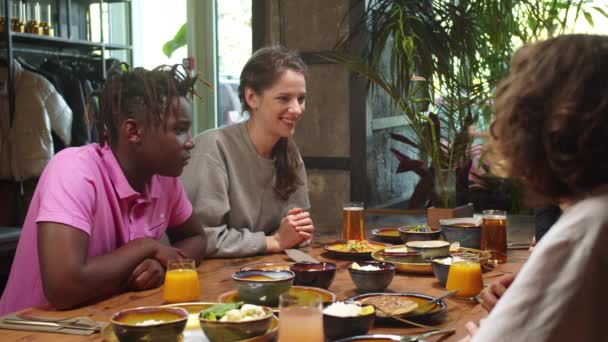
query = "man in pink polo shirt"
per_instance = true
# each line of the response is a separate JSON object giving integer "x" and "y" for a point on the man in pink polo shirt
{"x": 93, "y": 226}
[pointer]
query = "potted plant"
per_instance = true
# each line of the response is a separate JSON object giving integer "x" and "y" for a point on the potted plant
{"x": 438, "y": 62}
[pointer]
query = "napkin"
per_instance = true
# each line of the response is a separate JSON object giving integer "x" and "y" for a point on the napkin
{"x": 72, "y": 325}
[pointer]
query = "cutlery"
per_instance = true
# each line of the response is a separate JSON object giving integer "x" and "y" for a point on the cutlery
{"x": 394, "y": 316}
{"x": 49, "y": 324}
{"x": 299, "y": 256}
{"x": 436, "y": 300}
{"x": 411, "y": 338}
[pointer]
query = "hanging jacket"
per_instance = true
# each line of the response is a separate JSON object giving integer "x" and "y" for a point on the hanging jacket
{"x": 27, "y": 146}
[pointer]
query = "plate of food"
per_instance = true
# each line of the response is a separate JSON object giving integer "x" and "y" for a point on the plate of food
{"x": 193, "y": 331}
{"x": 390, "y": 235}
{"x": 327, "y": 296}
{"x": 426, "y": 267}
{"x": 406, "y": 305}
{"x": 354, "y": 249}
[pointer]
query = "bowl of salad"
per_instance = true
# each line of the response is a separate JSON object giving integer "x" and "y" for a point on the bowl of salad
{"x": 418, "y": 233}
{"x": 228, "y": 322}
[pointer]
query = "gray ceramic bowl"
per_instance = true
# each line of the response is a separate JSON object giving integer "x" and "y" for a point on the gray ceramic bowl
{"x": 440, "y": 270}
{"x": 407, "y": 234}
{"x": 165, "y": 324}
{"x": 262, "y": 287}
{"x": 315, "y": 274}
{"x": 336, "y": 327}
{"x": 217, "y": 331}
{"x": 401, "y": 254}
{"x": 429, "y": 249}
{"x": 372, "y": 281}
{"x": 466, "y": 230}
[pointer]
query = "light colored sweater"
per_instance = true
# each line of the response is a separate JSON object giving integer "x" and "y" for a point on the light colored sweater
{"x": 560, "y": 293}
{"x": 231, "y": 188}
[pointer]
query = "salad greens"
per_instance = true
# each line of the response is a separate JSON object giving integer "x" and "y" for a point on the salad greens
{"x": 217, "y": 311}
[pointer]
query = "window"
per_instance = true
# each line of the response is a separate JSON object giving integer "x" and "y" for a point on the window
{"x": 234, "y": 48}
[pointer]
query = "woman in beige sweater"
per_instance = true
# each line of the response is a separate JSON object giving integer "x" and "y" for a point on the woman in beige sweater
{"x": 247, "y": 181}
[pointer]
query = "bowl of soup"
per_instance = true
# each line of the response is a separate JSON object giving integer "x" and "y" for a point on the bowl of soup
{"x": 262, "y": 287}
{"x": 466, "y": 230}
{"x": 152, "y": 323}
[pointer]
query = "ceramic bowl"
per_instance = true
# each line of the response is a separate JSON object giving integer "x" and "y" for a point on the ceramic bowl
{"x": 336, "y": 327}
{"x": 268, "y": 266}
{"x": 407, "y": 234}
{"x": 218, "y": 331}
{"x": 372, "y": 281}
{"x": 390, "y": 235}
{"x": 151, "y": 323}
{"x": 401, "y": 254}
{"x": 440, "y": 269}
{"x": 262, "y": 287}
{"x": 320, "y": 274}
{"x": 467, "y": 231}
{"x": 429, "y": 249}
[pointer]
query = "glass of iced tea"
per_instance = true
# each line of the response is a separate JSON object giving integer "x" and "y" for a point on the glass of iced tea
{"x": 301, "y": 318}
{"x": 181, "y": 282}
{"x": 353, "y": 221}
{"x": 465, "y": 276}
{"x": 494, "y": 235}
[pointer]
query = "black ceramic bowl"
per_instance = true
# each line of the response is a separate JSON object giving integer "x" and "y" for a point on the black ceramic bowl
{"x": 336, "y": 327}
{"x": 372, "y": 281}
{"x": 319, "y": 274}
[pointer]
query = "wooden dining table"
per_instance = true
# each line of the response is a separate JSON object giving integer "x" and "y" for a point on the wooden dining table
{"x": 216, "y": 278}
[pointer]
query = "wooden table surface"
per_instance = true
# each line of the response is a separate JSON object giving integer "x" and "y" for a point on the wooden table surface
{"x": 215, "y": 277}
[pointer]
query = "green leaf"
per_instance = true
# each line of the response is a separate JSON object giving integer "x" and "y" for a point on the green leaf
{"x": 599, "y": 9}
{"x": 589, "y": 18}
{"x": 217, "y": 311}
{"x": 178, "y": 41}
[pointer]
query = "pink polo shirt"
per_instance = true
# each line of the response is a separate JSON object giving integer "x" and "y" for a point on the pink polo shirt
{"x": 85, "y": 188}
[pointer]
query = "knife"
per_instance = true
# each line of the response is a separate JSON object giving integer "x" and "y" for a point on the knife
{"x": 299, "y": 256}
{"x": 49, "y": 324}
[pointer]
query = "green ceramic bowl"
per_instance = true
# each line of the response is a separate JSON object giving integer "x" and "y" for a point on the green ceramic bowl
{"x": 149, "y": 324}
{"x": 217, "y": 331}
{"x": 261, "y": 287}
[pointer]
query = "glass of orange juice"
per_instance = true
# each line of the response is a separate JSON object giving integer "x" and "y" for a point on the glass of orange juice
{"x": 181, "y": 282}
{"x": 301, "y": 318}
{"x": 465, "y": 276}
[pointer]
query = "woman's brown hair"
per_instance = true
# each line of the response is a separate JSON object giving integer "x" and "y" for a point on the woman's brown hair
{"x": 260, "y": 72}
{"x": 551, "y": 116}
{"x": 140, "y": 94}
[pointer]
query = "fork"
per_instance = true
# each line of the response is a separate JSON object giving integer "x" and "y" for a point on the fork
{"x": 417, "y": 337}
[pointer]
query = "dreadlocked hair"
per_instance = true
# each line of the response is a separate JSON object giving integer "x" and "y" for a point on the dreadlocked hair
{"x": 141, "y": 94}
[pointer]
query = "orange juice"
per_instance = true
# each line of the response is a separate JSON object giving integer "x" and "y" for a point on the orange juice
{"x": 465, "y": 276}
{"x": 181, "y": 285}
{"x": 303, "y": 324}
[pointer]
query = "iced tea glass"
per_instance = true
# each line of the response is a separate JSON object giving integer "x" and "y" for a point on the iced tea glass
{"x": 181, "y": 282}
{"x": 301, "y": 318}
{"x": 353, "y": 221}
{"x": 465, "y": 276}
{"x": 494, "y": 235}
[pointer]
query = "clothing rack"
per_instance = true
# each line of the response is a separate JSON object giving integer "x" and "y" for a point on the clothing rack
{"x": 57, "y": 54}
